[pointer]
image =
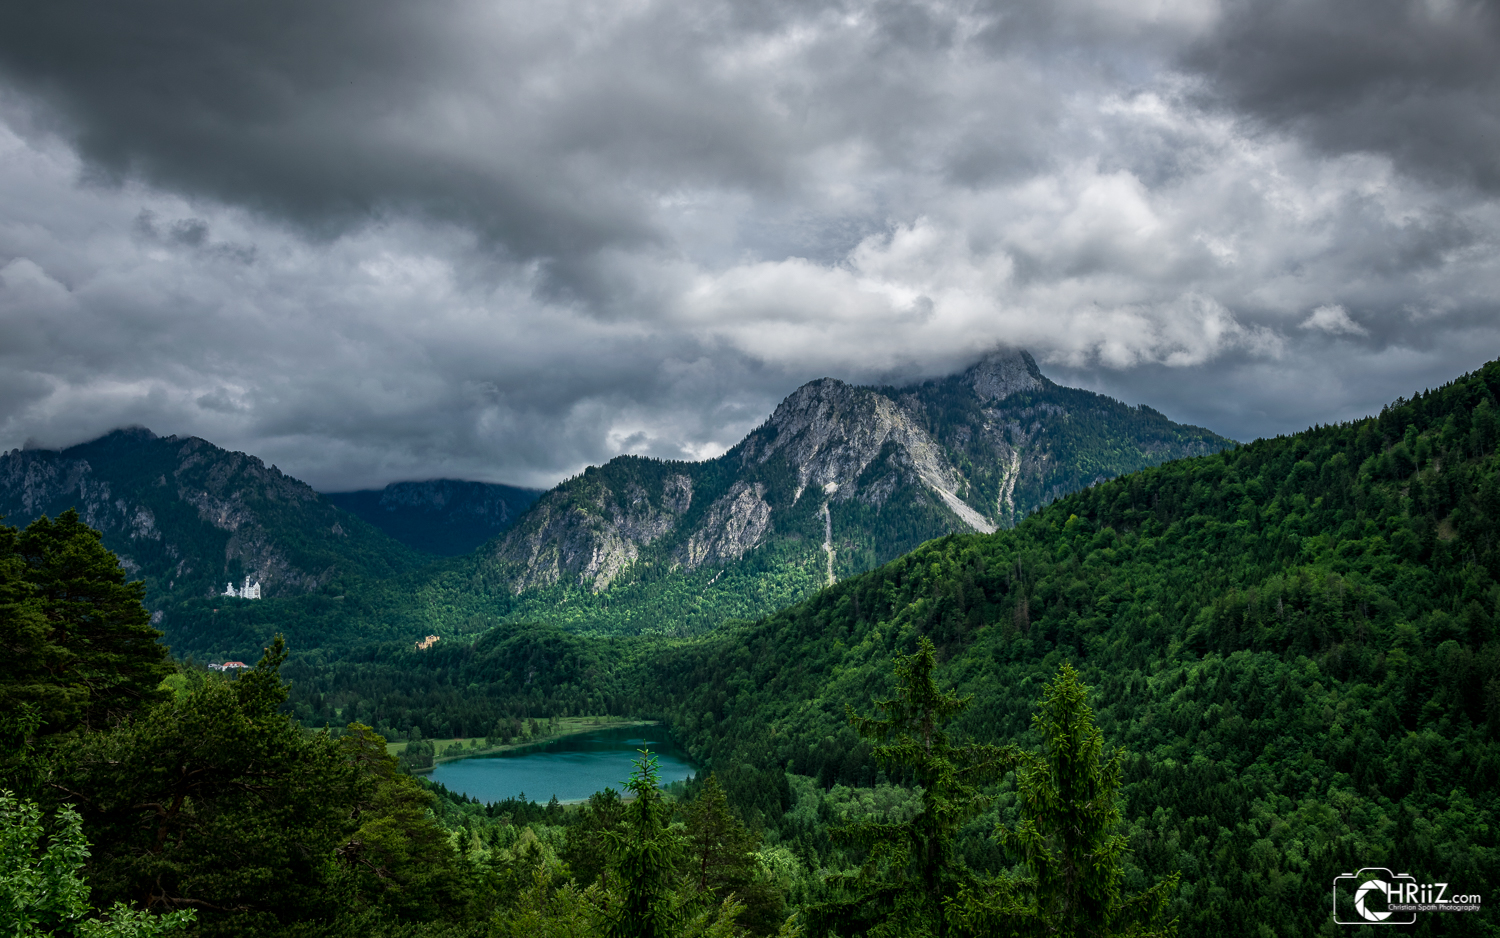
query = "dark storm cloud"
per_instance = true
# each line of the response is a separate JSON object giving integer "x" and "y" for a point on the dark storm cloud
{"x": 1418, "y": 80}
{"x": 376, "y": 240}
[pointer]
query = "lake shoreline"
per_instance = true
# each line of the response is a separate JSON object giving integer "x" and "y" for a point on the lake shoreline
{"x": 570, "y": 766}
{"x": 567, "y": 726}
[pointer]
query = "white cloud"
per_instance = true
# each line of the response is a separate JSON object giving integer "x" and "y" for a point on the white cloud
{"x": 1334, "y": 320}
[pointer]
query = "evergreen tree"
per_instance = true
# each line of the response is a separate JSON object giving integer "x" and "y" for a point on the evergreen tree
{"x": 97, "y": 658}
{"x": 646, "y": 857}
{"x": 215, "y": 801}
{"x": 586, "y": 850}
{"x": 720, "y": 848}
{"x": 1068, "y": 839}
{"x": 912, "y": 867}
{"x": 721, "y": 860}
{"x": 397, "y": 858}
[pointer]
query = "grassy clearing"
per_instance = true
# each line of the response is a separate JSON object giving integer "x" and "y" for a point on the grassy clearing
{"x": 463, "y": 747}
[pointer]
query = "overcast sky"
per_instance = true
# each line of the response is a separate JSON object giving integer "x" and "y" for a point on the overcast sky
{"x": 371, "y": 240}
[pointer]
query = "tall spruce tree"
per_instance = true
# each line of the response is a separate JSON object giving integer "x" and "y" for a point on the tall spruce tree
{"x": 90, "y": 653}
{"x": 912, "y": 867}
{"x": 646, "y": 855}
{"x": 1068, "y": 839}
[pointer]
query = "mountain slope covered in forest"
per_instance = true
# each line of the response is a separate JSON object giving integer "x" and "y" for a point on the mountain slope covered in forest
{"x": 187, "y": 517}
{"x": 1295, "y": 641}
{"x": 838, "y": 480}
{"x": 446, "y": 517}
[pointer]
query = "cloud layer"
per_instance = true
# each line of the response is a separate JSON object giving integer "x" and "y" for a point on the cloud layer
{"x": 499, "y": 240}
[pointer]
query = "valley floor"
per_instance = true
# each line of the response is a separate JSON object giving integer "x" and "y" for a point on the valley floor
{"x": 467, "y": 747}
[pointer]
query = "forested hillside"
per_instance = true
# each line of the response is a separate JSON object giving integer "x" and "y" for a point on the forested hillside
{"x": 1294, "y": 640}
{"x": 186, "y": 517}
{"x": 1292, "y": 644}
{"x": 446, "y": 517}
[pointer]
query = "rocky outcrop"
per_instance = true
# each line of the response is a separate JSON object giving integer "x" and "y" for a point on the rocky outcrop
{"x": 1004, "y": 372}
{"x": 243, "y": 516}
{"x": 588, "y": 530}
{"x": 831, "y": 432}
{"x": 735, "y": 524}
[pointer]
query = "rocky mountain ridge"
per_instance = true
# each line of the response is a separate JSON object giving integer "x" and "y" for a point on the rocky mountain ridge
{"x": 188, "y": 517}
{"x": 870, "y": 471}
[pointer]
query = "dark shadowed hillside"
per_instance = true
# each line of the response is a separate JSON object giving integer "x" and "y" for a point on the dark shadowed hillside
{"x": 188, "y": 518}
{"x": 446, "y": 517}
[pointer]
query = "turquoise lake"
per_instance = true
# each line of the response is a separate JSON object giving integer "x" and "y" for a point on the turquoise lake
{"x": 572, "y": 768}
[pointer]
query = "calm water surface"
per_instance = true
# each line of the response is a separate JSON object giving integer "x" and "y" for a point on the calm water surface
{"x": 572, "y": 768}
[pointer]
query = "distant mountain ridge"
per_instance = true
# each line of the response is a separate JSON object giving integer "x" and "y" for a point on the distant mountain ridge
{"x": 839, "y": 479}
{"x": 446, "y": 517}
{"x": 188, "y": 517}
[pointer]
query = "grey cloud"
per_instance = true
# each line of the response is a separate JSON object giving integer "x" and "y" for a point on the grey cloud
{"x": 1416, "y": 81}
{"x": 370, "y": 241}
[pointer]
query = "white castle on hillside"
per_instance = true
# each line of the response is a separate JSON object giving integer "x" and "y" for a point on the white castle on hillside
{"x": 248, "y": 591}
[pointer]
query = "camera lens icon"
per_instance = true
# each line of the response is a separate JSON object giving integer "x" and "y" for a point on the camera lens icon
{"x": 1366, "y": 897}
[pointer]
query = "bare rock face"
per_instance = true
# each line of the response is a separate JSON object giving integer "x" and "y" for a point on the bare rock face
{"x": 587, "y": 531}
{"x": 1004, "y": 372}
{"x": 832, "y": 431}
{"x": 735, "y": 524}
{"x": 828, "y": 430}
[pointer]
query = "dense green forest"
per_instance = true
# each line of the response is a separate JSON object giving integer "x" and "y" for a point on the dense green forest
{"x": 1294, "y": 640}
{"x": 182, "y": 801}
{"x": 443, "y": 517}
{"x": 1288, "y": 649}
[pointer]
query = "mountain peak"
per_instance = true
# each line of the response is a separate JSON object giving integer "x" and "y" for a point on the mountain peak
{"x": 1003, "y": 372}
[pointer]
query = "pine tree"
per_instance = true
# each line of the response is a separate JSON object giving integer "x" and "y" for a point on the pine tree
{"x": 1067, "y": 840}
{"x": 721, "y": 863}
{"x": 646, "y": 857}
{"x": 912, "y": 867}
{"x": 719, "y": 846}
{"x": 100, "y": 649}
{"x": 585, "y": 850}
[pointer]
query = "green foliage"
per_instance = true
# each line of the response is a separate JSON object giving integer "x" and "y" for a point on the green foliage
{"x": 417, "y": 755}
{"x": 42, "y": 889}
{"x": 85, "y": 649}
{"x": 1068, "y": 838}
{"x": 645, "y": 857}
{"x": 911, "y": 870}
